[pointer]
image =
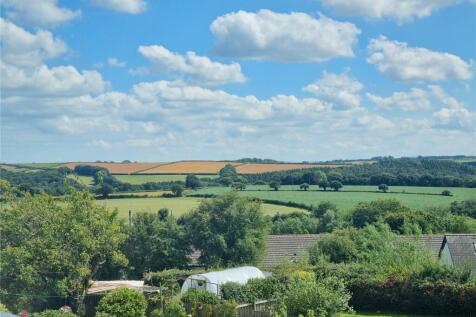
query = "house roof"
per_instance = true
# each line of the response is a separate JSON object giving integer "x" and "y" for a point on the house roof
{"x": 291, "y": 246}
{"x": 462, "y": 249}
{"x": 288, "y": 247}
{"x": 433, "y": 242}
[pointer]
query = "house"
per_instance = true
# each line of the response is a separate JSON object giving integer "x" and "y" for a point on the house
{"x": 288, "y": 247}
{"x": 459, "y": 250}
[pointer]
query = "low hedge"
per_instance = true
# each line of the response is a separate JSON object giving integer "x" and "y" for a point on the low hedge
{"x": 426, "y": 297}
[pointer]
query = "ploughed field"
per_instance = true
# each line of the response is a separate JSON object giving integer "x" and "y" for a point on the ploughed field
{"x": 178, "y": 205}
{"x": 195, "y": 167}
{"x": 411, "y": 196}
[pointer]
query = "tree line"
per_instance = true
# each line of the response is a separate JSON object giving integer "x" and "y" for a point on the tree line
{"x": 396, "y": 172}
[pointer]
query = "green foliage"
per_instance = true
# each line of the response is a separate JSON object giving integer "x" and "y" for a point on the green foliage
{"x": 324, "y": 297}
{"x": 52, "y": 181}
{"x": 294, "y": 223}
{"x": 323, "y": 207}
{"x": 228, "y": 230}
{"x": 383, "y": 187}
{"x": 200, "y": 296}
{"x": 304, "y": 186}
{"x": 228, "y": 171}
{"x": 154, "y": 244}
{"x": 53, "y": 248}
{"x": 253, "y": 290}
{"x": 4, "y": 308}
{"x": 174, "y": 309}
{"x": 192, "y": 181}
{"x": 226, "y": 308}
{"x": 275, "y": 185}
{"x": 369, "y": 212}
{"x": 446, "y": 193}
{"x": 464, "y": 208}
{"x": 177, "y": 190}
{"x": 238, "y": 186}
{"x": 53, "y": 313}
{"x": 335, "y": 185}
{"x": 123, "y": 302}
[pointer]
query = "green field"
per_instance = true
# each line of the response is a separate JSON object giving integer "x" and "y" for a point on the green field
{"x": 349, "y": 196}
{"x": 39, "y": 165}
{"x": 85, "y": 180}
{"x": 178, "y": 206}
{"x": 142, "y": 179}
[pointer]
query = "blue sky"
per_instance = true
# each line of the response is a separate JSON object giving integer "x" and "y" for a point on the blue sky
{"x": 290, "y": 80}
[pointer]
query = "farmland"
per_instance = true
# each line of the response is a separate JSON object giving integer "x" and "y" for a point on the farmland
{"x": 194, "y": 167}
{"x": 142, "y": 179}
{"x": 178, "y": 206}
{"x": 411, "y": 196}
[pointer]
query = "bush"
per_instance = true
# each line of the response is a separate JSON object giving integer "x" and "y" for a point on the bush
{"x": 123, "y": 302}
{"x": 446, "y": 193}
{"x": 174, "y": 309}
{"x": 325, "y": 297}
{"x": 226, "y": 308}
{"x": 53, "y": 313}
{"x": 200, "y": 296}
{"x": 255, "y": 289}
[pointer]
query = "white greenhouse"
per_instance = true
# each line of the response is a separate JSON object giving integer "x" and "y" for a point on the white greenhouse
{"x": 211, "y": 281}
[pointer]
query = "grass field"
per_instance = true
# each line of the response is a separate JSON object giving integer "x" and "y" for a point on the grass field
{"x": 39, "y": 165}
{"x": 349, "y": 196}
{"x": 142, "y": 179}
{"x": 178, "y": 206}
{"x": 85, "y": 180}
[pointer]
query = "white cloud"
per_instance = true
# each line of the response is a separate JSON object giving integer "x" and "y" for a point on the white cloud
{"x": 341, "y": 91}
{"x": 38, "y": 12}
{"x": 400, "y": 62}
{"x": 414, "y": 100}
{"x": 43, "y": 81}
{"x": 444, "y": 98}
{"x": 127, "y": 6}
{"x": 101, "y": 144}
{"x": 22, "y": 48}
{"x": 114, "y": 62}
{"x": 399, "y": 10}
{"x": 293, "y": 37}
{"x": 455, "y": 119}
{"x": 197, "y": 68}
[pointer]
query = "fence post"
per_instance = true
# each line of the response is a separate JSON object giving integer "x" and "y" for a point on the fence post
{"x": 130, "y": 217}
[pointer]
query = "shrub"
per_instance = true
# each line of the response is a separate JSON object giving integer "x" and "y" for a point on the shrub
{"x": 53, "y": 313}
{"x": 200, "y": 296}
{"x": 255, "y": 289}
{"x": 4, "y": 308}
{"x": 226, "y": 308}
{"x": 174, "y": 309}
{"x": 123, "y": 302}
{"x": 325, "y": 297}
{"x": 446, "y": 193}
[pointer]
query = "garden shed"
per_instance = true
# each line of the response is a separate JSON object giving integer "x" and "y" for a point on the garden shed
{"x": 211, "y": 281}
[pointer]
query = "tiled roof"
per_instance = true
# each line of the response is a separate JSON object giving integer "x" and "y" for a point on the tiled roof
{"x": 291, "y": 246}
{"x": 433, "y": 242}
{"x": 288, "y": 247}
{"x": 462, "y": 249}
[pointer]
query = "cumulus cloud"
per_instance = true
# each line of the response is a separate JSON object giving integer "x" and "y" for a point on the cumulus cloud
{"x": 22, "y": 48}
{"x": 114, "y": 62}
{"x": 455, "y": 119}
{"x": 127, "y": 6}
{"x": 43, "y": 13}
{"x": 293, "y": 37}
{"x": 401, "y": 62}
{"x": 414, "y": 100}
{"x": 42, "y": 81}
{"x": 340, "y": 90}
{"x": 196, "y": 68}
{"x": 399, "y": 10}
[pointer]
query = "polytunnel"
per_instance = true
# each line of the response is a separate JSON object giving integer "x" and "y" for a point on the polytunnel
{"x": 211, "y": 281}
